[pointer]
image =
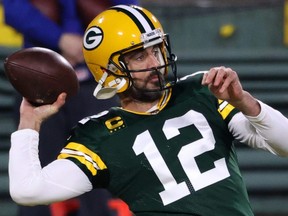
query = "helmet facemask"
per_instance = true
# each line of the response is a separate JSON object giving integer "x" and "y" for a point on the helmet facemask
{"x": 167, "y": 63}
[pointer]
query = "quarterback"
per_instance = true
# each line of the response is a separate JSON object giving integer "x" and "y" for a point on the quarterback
{"x": 168, "y": 150}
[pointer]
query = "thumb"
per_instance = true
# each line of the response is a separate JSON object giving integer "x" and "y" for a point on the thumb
{"x": 60, "y": 101}
{"x": 48, "y": 110}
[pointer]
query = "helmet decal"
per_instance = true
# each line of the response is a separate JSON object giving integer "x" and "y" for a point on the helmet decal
{"x": 139, "y": 18}
{"x": 92, "y": 38}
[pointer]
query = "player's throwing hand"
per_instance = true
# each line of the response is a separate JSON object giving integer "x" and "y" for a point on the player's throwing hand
{"x": 223, "y": 83}
{"x": 32, "y": 117}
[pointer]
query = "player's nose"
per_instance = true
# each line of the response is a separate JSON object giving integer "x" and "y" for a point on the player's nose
{"x": 153, "y": 61}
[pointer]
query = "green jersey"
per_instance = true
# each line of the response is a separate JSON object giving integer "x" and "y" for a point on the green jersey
{"x": 178, "y": 161}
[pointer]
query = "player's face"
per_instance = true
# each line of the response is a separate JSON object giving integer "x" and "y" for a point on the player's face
{"x": 149, "y": 58}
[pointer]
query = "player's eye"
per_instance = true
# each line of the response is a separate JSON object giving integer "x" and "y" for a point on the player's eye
{"x": 139, "y": 56}
{"x": 156, "y": 52}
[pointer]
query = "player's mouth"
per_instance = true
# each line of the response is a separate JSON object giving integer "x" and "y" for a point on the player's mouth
{"x": 154, "y": 78}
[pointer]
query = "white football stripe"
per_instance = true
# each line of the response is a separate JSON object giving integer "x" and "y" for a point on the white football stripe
{"x": 138, "y": 15}
{"x": 88, "y": 158}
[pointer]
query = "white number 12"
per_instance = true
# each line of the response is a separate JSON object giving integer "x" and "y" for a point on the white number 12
{"x": 174, "y": 191}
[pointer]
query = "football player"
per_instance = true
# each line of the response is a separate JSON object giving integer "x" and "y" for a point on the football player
{"x": 168, "y": 150}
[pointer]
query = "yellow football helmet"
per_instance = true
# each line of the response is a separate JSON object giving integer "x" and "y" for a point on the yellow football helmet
{"x": 115, "y": 32}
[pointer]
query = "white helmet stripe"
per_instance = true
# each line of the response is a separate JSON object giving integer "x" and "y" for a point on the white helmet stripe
{"x": 134, "y": 14}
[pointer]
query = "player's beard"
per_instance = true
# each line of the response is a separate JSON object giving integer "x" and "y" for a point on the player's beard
{"x": 146, "y": 90}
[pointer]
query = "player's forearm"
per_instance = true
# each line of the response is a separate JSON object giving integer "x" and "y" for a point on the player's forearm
{"x": 248, "y": 105}
{"x": 268, "y": 130}
{"x": 272, "y": 126}
{"x": 30, "y": 184}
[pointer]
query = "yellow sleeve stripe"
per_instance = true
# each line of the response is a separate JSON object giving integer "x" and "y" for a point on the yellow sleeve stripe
{"x": 84, "y": 155}
{"x": 225, "y": 108}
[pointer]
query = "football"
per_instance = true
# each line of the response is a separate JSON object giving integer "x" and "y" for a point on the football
{"x": 40, "y": 75}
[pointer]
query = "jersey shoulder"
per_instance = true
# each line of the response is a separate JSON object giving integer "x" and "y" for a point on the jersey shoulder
{"x": 193, "y": 81}
{"x": 87, "y": 138}
{"x": 99, "y": 126}
{"x": 190, "y": 86}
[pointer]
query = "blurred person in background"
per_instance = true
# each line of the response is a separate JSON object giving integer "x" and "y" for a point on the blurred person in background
{"x": 59, "y": 25}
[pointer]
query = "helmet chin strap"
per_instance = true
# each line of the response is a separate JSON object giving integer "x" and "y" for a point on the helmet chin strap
{"x": 101, "y": 92}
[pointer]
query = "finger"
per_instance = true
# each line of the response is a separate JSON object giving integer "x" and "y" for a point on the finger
{"x": 216, "y": 76}
{"x": 48, "y": 110}
{"x": 203, "y": 82}
{"x": 24, "y": 101}
{"x": 208, "y": 78}
{"x": 25, "y": 105}
{"x": 60, "y": 100}
{"x": 229, "y": 79}
{"x": 221, "y": 77}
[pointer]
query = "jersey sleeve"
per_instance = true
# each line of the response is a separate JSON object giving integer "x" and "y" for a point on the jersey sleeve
{"x": 226, "y": 110}
{"x": 83, "y": 148}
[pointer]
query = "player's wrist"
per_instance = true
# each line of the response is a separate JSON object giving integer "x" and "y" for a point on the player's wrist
{"x": 248, "y": 105}
{"x": 29, "y": 125}
{"x": 29, "y": 122}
